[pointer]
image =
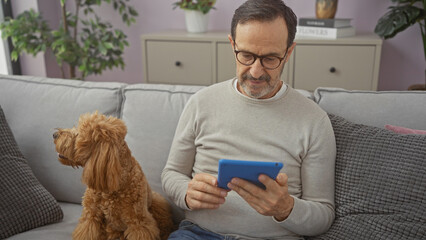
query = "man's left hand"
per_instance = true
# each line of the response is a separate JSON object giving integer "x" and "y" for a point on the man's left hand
{"x": 273, "y": 201}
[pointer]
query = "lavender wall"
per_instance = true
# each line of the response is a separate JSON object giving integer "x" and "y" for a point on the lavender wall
{"x": 402, "y": 64}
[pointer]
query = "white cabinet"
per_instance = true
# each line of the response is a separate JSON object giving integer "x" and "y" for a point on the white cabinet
{"x": 202, "y": 59}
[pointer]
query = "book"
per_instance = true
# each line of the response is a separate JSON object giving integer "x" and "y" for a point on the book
{"x": 332, "y": 23}
{"x": 329, "y": 33}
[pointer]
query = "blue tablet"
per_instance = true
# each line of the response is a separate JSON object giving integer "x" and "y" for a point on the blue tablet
{"x": 247, "y": 170}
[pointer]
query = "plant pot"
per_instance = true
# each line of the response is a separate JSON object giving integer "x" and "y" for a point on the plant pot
{"x": 325, "y": 8}
{"x": 417, "y": 87}
{"x": 196, "y": 21}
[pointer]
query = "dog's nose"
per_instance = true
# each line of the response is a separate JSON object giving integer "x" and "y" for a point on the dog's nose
{"x": 55, "y": 135}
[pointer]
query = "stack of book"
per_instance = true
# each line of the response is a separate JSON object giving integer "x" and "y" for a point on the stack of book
{"x": 325, "y": 28}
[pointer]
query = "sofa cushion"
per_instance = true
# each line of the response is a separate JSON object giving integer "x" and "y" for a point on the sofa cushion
{"x": 24, "y": 204}
{"x": 151, "y": 113}
{"x": 35, "y": 106}
{"x": 380, "y": 183}
{"x": 55, "y": 231}
{"x": 400, "y": 108}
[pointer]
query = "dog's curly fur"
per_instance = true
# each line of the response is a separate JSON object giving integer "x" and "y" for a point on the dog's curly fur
{"x": 118, "y": 202}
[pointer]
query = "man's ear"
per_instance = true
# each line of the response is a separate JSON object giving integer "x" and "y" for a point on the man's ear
{"x": 231, "y": 41}
{"x": 290, "y": 51}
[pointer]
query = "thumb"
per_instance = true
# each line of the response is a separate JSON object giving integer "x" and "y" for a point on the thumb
{"x": 282, "y": 179}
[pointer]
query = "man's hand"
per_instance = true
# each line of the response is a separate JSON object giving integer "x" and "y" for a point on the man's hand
{"x": 273, "y": 201}
{"x": 203, "y": 192}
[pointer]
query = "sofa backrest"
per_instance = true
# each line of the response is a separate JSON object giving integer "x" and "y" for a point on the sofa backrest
{"x": 400, "y": 108}
{"x": 151, "y": 113}
{"x": 35, "y": 106}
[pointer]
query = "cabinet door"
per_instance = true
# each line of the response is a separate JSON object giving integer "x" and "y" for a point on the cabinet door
{"x": 179, "y": 62}
{"x": 226, "y": 66}
{"x": 349, "y": 67}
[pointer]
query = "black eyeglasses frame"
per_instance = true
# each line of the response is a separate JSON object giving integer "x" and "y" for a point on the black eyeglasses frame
{"x": 260, "y": 57}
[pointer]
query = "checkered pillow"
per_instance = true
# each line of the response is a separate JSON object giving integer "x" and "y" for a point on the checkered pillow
{"x": 24, "y": 203}
{"x": 380, "y": 184}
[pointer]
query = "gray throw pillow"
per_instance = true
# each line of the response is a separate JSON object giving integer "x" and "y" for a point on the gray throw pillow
{"x": 380, "y": 183}
{"x": 24, "y": 203}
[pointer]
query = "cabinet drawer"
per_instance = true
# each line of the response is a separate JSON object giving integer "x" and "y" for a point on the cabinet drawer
{"x": 179, "y": 62}
{"x": 350, "y": 67}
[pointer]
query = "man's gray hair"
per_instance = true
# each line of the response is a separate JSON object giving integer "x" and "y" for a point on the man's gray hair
{"x": 264, "y": 11}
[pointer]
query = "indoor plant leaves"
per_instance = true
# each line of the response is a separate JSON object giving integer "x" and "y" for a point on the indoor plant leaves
{"x": 397, "y": 20}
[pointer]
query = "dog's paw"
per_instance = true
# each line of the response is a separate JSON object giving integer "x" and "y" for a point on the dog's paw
{"x": 88, "y": 230}
{"x": 142, "y": 232}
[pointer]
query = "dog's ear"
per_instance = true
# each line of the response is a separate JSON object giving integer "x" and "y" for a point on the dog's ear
{"x": 102, "y": 171}
{"x": 101, "y": 141}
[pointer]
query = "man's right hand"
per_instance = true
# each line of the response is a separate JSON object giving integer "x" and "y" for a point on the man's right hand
{"x": 203, "y": 193}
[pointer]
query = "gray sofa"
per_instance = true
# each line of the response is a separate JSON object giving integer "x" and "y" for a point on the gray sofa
{"x": 33, "y": 107}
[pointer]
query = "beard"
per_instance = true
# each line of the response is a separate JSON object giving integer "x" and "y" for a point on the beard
{"x": 256, "y": 91}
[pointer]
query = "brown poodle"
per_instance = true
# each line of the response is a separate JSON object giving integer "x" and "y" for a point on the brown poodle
{"x": 118, "y": 202}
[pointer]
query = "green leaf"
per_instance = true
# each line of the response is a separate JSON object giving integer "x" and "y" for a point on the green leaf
{"x": 108, "y": 45}
{"x": 56, "y": 33}
{"x": 397, "y": 20}
{"x": 102, "y": 49}
{"x": 133, "y": 12}
{"x": 14, "y": 55}
{"x": 125, "y": 17}
{"x": 82, "y": 68}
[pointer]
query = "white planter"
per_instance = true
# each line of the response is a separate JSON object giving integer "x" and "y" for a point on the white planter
{"x": 196, "y": 21}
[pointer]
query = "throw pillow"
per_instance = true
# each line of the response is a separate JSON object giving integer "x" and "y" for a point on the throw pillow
{"x": 24, "y": 203}
{"x": 403, "y": 130}
{"x": 380, "y": 183}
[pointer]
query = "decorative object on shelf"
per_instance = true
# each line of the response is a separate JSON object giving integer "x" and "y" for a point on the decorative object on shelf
{"x": 196, "y": 14}
{"x": 331, "y": 28}
{"x": 89, "y": 48}
{"x": 325, "y": 8}
{"x": 196, "y": 21}
{"x": 325, "y": 22}
{"x": 325, "y": 32}
{"x": 400, "y": 17}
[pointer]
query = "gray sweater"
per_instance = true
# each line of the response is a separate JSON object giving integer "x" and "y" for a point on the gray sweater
{"x": 218, "y": 122}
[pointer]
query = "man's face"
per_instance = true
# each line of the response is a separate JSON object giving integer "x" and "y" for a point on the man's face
{"x": 262, "y": 39}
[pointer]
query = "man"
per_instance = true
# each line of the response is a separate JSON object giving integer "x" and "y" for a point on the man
{"x": 254, "y": 117}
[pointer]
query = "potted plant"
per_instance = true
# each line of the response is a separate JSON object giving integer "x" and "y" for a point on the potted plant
{"x": 405, "y": 14}
{"x": 196, "y": 13}
{"x": 82, "y": 42}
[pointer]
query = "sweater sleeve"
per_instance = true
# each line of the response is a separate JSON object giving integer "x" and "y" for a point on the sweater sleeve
{"x": 313, "y": 212}
{"x": 178, "y": 170}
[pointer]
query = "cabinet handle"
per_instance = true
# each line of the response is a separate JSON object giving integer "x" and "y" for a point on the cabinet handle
{"x": 332, "y": 69}
{"x": 178, "y": 63}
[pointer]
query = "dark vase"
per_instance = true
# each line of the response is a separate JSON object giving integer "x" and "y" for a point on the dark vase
{"x": 418, "y": 87}
{"x": 325, "y": 8}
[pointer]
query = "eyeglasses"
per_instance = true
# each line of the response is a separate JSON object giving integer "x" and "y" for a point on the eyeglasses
{"x": 268, "y": 62}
